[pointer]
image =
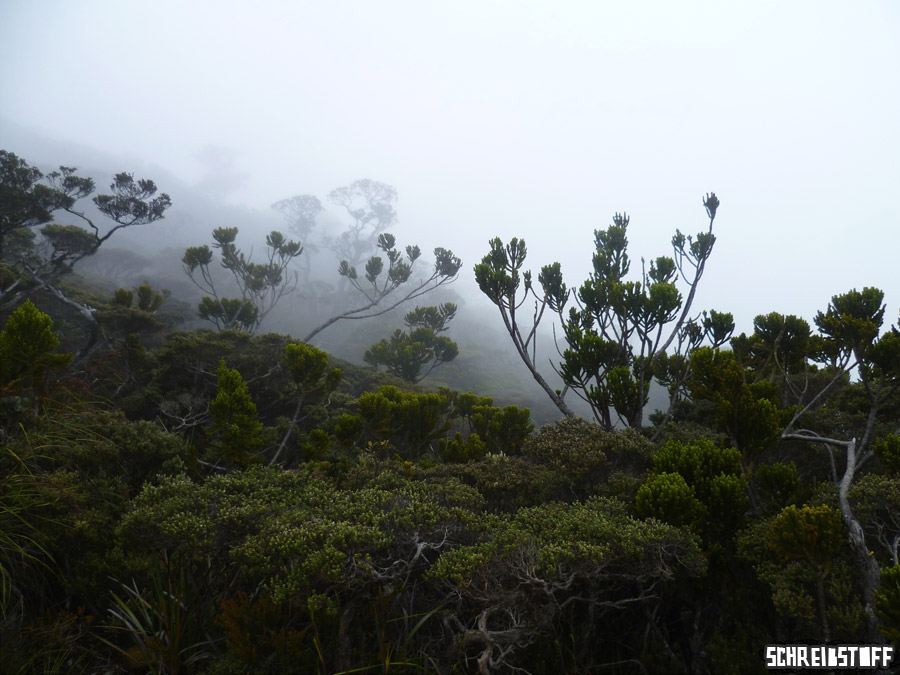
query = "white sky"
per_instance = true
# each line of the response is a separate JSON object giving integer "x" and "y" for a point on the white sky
{"x": 534, "y": 119}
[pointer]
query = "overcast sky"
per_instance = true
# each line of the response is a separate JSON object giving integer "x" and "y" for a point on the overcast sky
{"x": 530, "y": 119}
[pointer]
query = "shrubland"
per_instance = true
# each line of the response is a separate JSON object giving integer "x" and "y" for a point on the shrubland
{"x": 235, "y": 501}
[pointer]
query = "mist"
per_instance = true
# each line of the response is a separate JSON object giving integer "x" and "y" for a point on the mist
{"x": 489, "y": 119}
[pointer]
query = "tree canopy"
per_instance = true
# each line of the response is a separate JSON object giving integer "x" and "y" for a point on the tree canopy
{"x": 618, "y": 331}
{"x": 223, "y": 501}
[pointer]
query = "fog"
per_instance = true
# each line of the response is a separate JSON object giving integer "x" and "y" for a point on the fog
{"x": 537, "y": 120}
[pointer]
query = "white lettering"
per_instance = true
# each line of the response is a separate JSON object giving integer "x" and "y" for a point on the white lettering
{"x": 829, "y": 656}
{"x": 841, "y": 657}
{"x": 791, "y": 657}
{"x": 886, "y": 654}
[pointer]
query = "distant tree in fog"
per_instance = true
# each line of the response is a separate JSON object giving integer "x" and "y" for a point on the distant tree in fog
{"x": 386, "y": 288}
{"x": 384, "y": 285}
{"x": 261, "y": 285}
{"x": 371, "y": 206}
{"x": 301, "y": 211}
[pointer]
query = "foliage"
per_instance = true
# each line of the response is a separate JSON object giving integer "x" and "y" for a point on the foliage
{"x": 123, "y": 316}
{"x": 261, "y": 285}
{"x": 668, "y": 498}
{"x": 614, "y": 334}
{"x": 593, "y": 460}
{"x": 65, "y": 485}
{"x": 887, "y": 603}
{"x": 148, "y": 300}
{"x": 412, "y": 424}
{"x": 23, "y": 507}
{"x": 422, "y": 345}
{"x": 780, "y": 485}
{"x": 381, "y": 284}
{"x": 779, "y": 345}
{"x": 812, "y": 534}
{"x": 25, "y": 200}
{"x": 591, "y": 535}
{"x": 305, "y": 542}
{"x": 89, "y": 462}
{"x": 401, "y": 530}
{"x": 850, "y": 339}
{"x": 68, "y": 242}
{"x": 540, "y": 567}
{"x": 28, "y": 346}
{"x": 102, "y": 444}
{"x": 308, "y": 367}
{"x": 162, "y": 621}
{"x": 235, "y": 426}
{"x": 696, "y": 484}
{"x": 887, "y": 449}
{"x": 789, "y": 586}
{"x": 184, "y": 380}
{"x": 462, "y": 450}
{"x": 29, "y": 199}
{"x": 502, "y": 429}
{"x": 809, "y": 533}
{"x": 876, "y": 502}
{"x": 750, "y": 413}
{"x": 852, "y": 322}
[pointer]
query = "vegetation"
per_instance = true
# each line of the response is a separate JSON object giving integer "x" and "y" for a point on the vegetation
{"x": 618, "y": 333}
{"x": 223, "y": 502}
{"x": 383, "y": 288}
{"x": 422, "y": 345}
{"x": 261, "y": 285}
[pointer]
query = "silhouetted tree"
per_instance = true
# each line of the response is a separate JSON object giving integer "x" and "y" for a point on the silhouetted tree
{"x": 407, "y": 352}
{"x": 28, "y": 199}
{"x": 370, "y": 204}
{"x": 386, "y": 288}
{"x": 301, "y": 211}
{"x": 261, "y": 285}
{"x": 618, "y": 331}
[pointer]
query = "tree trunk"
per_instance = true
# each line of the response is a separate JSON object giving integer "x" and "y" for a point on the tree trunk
{"x": 867, "y": 566}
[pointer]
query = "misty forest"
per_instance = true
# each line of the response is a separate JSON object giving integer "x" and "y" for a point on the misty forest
{"x": 305, "y": 451}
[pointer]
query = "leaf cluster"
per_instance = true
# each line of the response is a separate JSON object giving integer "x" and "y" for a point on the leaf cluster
{"x": 422, "y": 346}
{"x": 261, "y": 285}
